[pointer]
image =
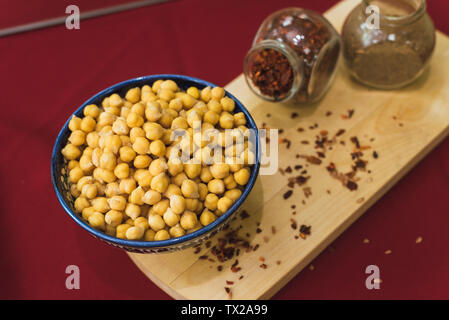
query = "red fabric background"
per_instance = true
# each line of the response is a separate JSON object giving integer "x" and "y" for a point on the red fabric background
{"x": 47, "y": 74}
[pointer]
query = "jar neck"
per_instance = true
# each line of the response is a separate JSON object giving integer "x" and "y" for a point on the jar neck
{"x": 295, "y": 62}
{"x": 396, "y": 12}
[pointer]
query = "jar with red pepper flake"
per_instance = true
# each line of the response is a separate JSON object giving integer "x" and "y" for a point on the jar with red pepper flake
{"x": 293, "y": 57}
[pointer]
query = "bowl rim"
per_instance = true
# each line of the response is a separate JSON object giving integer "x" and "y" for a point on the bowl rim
{"x": 140, "y": 81}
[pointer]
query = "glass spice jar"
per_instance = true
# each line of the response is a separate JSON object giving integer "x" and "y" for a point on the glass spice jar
{"x": 293, "y": 57}
{"x": 394, "y": 52}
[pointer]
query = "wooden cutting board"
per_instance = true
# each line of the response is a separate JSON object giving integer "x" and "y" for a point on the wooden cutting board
{"x": 405, "y": 124}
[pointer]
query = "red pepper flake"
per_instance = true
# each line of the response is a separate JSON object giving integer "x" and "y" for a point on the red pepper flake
{"x": 258, "y": 230}
{"x": 273, "y": 229}
{"x": 294, "y": 212}
{"x": 208, "y": 244}
{"x": 293, "y": 224}
{"x": 288, "y": 169}
{"x": 305, "y": 229}
{"x": 235, "y": 269}
{"x": 349, "y": 115}
{"x": 321, "y": 154}
{"x": 288, "y": 194}
{"x": 211, "y": 260}
{"x": 268, "y": 115}
{"x": 324, "y": 133}
{"x": 256, "y": 247}
{"x": 298, "y": 167}
{"x": 263, "y": 266}
{"x": 375, "y": 155}
{"x": 244, "y": 215}
{"x": 305, "y": 142}
{"x": 241, "y": 277}
{"x": 293, "y": 206}
{"x": 302, "y": 235}
{"x": 352, "y": 185}
{"x": 313, "y": 160}
{"x": 197, "y": 250}
{"x": 294, "y": 115}
{"x": 229, "y": 282}
{"x": 328, "y": 113}
{"x": 340, "y": 132}
{"x": 296, "y": 237}
{"x": 307, "y": 191}
{"x": 355, "y": 140}
{"x": 300, "y": 129}
{"x": 266, "y": 239}
{"x": 278, "y": 262}
{"x": 360, "y": 200}
{"x": 203, "y": 257}
{"x": 261, "y": 259}
{"x": 281, "y": 131}
{"x": 219, "y": 268}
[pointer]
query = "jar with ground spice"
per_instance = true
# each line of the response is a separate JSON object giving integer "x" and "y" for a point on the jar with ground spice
{"x": 388, "y": 43}
{"x": 293, "y": 57}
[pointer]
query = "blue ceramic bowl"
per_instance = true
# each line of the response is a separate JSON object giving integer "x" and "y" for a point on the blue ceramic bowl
{"x": 188, "y": 240}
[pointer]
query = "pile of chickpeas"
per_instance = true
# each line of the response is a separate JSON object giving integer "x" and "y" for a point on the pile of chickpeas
{"x": 123, "y": 168}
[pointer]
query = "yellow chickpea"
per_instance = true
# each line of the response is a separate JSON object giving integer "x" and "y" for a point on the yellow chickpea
{"x": 113, "y": 218}
{"x": 121, "y": 230}
{"x": 177, "y": 231}
{"x": 177, "y": 204}
{"x": 228, "y": 104}
{"x": 77, "y": 137}
{"x": 97, "y": 221}
{"x": 74, "y": 191}
{"x": 83, "y": 181}
{"x": 161, "y": 235}
{"x": 166, "y": 94}
{"x": 233, "y": 194}
{"x": 158, "y": 166}
{"x": 81, "y": 203}
{"x": 108, "y": 161}
{"x": 226, "y": 120}
{"x": 136, "y": 132}
{"x": 89, "y": 191}
{"x": 127, "y": 185}
{"x": 219, "y": 170}
{"x": 207, "y": 217}
{"x": 92, "y": 110}
{"x": 172, "y": 189}
{"x": 157, "y": 148}
{"x": 242, "y": 176}
{"x": 187, "y": 100}
{"x": 149, "y": 235}
{"x": 230, "y": 182}
{"x": 156, "y": 222}
{"x": 193, "y": 91}
{"x": 115, "y": 100}
{"x": 174, "y": 167}
{"x": 135, "y": 233}
{"x": 75, "y": 123}
{"x": 160, "y": 207}
{"x": 86, "y": 163}
{"x": 189, "y": 189}
{"x": 133, "y": 95}
{"x": 171, "y": 218}
{"x": 127, "y": 154}
{"x": 175, "y": 104}
{"x": 141, "y": 145}
{"x": 217, "y": 93}
{"x": 136, "y": 196}
{"x": 210, "y": 202}
{"x": 120, "y": 127}
{"x": 188, "y": 220}
{"x": 223, "y": 205}
{"x": 112, "y": 143}
{"x": 235, "y": 165}
{"x": 206, "y": 175}
{"x": 192, "y": 169}
{"x": 179, "y": 179}
{"x": 76, "y": 174}
{"x": 211, "y": 117}
{"x": 124, "y": 112}
{"x": 117, "y": 203}
{"x": 142, "y": 161}
{"x": 87, "y": 212}
{"x": 216, "y": 186}
{"x": 215, "y": 106}
{"x": 151, "y": 197}
{"x": 153, "y": 111}
{"x": 121, "y": 171}
{"x": 142, "y": 222}
{"x": 239, "y": 119}
{"x": 191, "y": 204}
{"x": 88, "y": 124}
{"x": 170, "y": 85}
{"x": 100, "y": 204}
{"x": 179, "y": 123}
{"x": 206, "y": 94}
{"x": 71, "y": 152}
{"x": 132, "y": 210}
{"x": 134, "y": 120}
{"x": 73, "y": 164}
{"x": 160, "y": 182}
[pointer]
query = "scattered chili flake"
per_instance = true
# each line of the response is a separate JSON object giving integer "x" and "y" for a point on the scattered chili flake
{"x": 266, "y": 239}
{"x": 268, "y": 115}
{"x": 281, "y": 131}
{"x": 294, "y": 212}
{"x": 355, "y": 140}
{"x": 302, "y": 235}
{"x": 256, "y": 247}
{"x": 288, "y": 169}
{"x": 288, "y": 194}
{"x": 360, "y": 200}
{"x": 293, "y": 224}
{"x": 298, "y": 167}
{"x": 273, "y": 229}
{"x": 401, "y": 124}
{"x": 278, "y": 262}
{"x": 235, "y": 269}
{"x": 349, "y": 115}
{"x": 294, "y": 115}
{"x": 219, "y": 268}
{"x": 418, "y": 240}
{"x": 323, "y": 133}
{"x": 351, "y": 185}
{"x": 305, "y": 142}
{"x": 296, "y": 237}
{"x": 321, "y": 154}
{"x": 229, "y": 282}
{"x": 263, "y": 266}
{"x": 197, "y": 250}
{"x": 258, "y": 230}
{"x": 293, "y": 206}
{"x": 244, "y": 215}
{"x": 300, "y": 129}
{"x": 241, "y": 277}
{"x": 203, "y": 257}
{"x": 375, "y": 155}
{"x": 307, "y": 191}
{"x": 313, "y": 160}
{"x": 305, "y": 229}
{"x": 340, "y": 132}
{"x": 261, "y": 259}
{"x": 328, "y": 113}
{"x": 208, "y": 244}
{"x": 328, "y": 191}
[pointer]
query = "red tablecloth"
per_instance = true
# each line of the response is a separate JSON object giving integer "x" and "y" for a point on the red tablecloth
{"x": 47, "y": 74}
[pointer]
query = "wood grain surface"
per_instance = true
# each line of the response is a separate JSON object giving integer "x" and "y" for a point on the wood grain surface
{"x": 402, "y": 126}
